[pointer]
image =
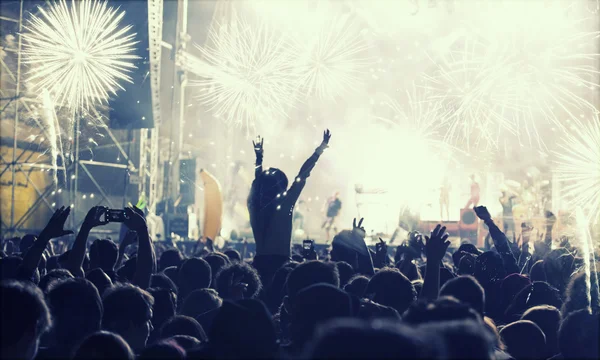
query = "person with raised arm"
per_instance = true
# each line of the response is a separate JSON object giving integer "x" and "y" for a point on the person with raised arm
{"x": 500, "y": 240}
{"x": 271, "y": 206}
{"x": 146, "y": 258}
{"x": 54, "y": 229}
{"x": 435, "y": 248}
{"x": 75, "y": 260}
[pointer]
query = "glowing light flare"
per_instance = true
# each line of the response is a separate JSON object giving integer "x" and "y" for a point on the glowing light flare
{"x": 578, "y": 167}
{"x": 589, "y": 259}
{"x": 78, "y": 52}
{"x": 247, "y": 77}
{"x": 53, "y": 130}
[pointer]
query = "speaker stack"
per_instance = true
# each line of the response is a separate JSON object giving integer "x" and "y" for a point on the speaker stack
{"x": 468, "y": 226}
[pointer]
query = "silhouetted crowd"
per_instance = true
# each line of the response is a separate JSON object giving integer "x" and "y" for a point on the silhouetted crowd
{"x": 526, "y": 299}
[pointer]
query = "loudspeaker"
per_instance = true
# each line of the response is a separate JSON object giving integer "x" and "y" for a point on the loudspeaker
{"x": 187, "y": 188}
{"x": 131, "y": 108}
{"x": 468, "y": 226}
{"x": 468, "y": 219}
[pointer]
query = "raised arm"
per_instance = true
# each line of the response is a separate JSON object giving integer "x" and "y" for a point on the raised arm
{"x": 259, "y": 151}
{"x": 550, "y": 221}
{"x": 75, "y": 261}
{"x": 500, "y": 241}
{"x": 435, "y": 249}
{"x": 307, "y": 167}
{"x": 129, "y": 238}
{"x": 145, "y": 257}
{"x": 53, "y": 229}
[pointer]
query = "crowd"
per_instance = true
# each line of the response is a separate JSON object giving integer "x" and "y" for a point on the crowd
{"x": 128, "y": 299}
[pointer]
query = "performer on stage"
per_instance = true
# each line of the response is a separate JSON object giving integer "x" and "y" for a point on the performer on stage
{"x": 507, "y": 211}
{"x": 333, "y": 205}
{"x": 474, "y": 199}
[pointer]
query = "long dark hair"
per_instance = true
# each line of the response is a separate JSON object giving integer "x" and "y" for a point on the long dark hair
{"x": 266, "y": 188}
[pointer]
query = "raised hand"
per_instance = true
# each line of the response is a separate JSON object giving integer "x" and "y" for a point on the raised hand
{"x": 129, "y": 239}
{"x": 55, "y": 227}
{"x": 482, "y": 213}
{"x": 550, "y": 219}
{"x": 92, "y": 219}
{"x": 134, "y": 220}
{"x": 526, "y": 232}
{"x": 359, "y": 229}
{"x": 258, "y": 146}
{"x": 325, "y": 143}
{"x": 437, "y": 244}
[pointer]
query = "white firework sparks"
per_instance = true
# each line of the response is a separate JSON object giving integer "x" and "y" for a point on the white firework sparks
{"x": 463, "y": 82}
{"x": 578, "y": 167}
{"x": 333, "y": 60}
{"x": 248, "y": 76}
{"x": 78, "y": 52}
{"x": 548, "y": 66}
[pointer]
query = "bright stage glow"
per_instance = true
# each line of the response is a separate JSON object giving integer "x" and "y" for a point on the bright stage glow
{"x": 249, "y": 76}
{"x": 578, "y": 167}
{"x": 398, "y": 151}
{"x": 78, "y": 52}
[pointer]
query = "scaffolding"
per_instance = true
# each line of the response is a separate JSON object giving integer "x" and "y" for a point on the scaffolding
{"x": 15, "y": 98}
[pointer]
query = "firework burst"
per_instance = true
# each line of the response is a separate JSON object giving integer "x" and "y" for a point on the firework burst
{"x": 78, "y": 52}
{"x": 548, "y": 66}
{"x": 248, "y": 75}
{"x": 333, "y": 59}
{"x": 463, "y": 83}
{"x": 578, "y": 167}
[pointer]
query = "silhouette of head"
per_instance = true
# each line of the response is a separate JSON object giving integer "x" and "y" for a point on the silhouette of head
{"x": 241, "y": 272}
{"x": 467, "y": 290}
{"x": 357, "y": 285}
{"x": 391, "y": 288}
{"x": 524, "y": 340}
{"x": 103, "y": 254}
{"x": 356, "y": 339}
{"x": 100, "y": 280}
{"x": 104, "y": 345}
{"x": 170, "y": 257}
{"x": 310, "y": 273}
{"x": 128, "y": 312}
{"x": 182, "y": 325}
{"x": 194, "y": 273}
{"x": 76, "y": 309}
{"x": 267, "y": 186}
{"x": 578, "y": 335}
{"x": 548, "y": 318}
{"x": 165, "y": 305}
{"x": 53, "y": 276}
{"x": 315, "y": 305}
{"x": 201, "y": 301}
{"x": 462, "y": 339}
{"x": 166, "y": 349}
{"x": 25, "y": 318}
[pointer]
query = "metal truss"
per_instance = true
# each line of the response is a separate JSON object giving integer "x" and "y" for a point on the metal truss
{"x": 150, "y": 185}
{"x": 22, "y": 161}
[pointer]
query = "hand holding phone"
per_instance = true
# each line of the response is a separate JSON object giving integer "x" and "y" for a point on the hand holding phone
{"x": 308, "y": 250}
{"x": 115, "y": 215}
